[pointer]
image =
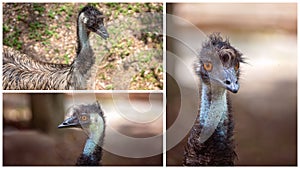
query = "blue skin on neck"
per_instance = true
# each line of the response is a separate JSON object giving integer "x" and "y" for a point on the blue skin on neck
{"x": 89, "y": 148}
{"x": 96, "y": 130}
{"x": 213, "y": 112}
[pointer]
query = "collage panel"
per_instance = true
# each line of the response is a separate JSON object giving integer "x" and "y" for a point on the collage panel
{"x": 80, "y": 46}
{"x": 149, "y": 84}
{"x": 109, "y": 129}
{"x": 231, "y": 84}
{"x": 115, "y": 49}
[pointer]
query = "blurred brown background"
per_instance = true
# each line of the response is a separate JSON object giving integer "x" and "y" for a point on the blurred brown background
{"x": 31, "y": 136}
{"x": 265, "y": 108}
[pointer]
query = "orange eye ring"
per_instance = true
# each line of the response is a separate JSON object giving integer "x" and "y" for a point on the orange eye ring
{"x": 83, "y": 118}
{"x": 237, "y": 66}
{"x": 208, "y": 66}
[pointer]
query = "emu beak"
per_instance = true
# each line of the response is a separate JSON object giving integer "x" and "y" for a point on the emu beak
{"x": 102, "y": 32}
{"x": 70, "y": 122}
{"x": 231, "y": 81}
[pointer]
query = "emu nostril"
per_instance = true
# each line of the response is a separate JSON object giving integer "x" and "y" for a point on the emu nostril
{"x": 227, "y": 82}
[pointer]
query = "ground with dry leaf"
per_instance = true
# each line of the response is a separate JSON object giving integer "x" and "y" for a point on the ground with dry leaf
{"x": 130, "y": 59}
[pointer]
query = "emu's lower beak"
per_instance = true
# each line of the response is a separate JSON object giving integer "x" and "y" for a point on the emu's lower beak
{"x": 102, "y": 32}
{"x": 70, "y": 122}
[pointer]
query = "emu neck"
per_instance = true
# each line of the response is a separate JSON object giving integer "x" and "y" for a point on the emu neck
{"x": 82, "y": 68}
{"x": 85, "y": 60}
{"x": 82, "y": 33}
{"x": 92, "y": 152}
{"x": 91, "y": 155}
{"x": 213, "y": 110}
{"x": 89, "y": 148}
{"x": 95, "y": 138}
{"x": 210, "y": 141}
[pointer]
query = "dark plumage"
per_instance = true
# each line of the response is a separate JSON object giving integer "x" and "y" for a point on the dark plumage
{"x": 211, "y": 138}
{"x": 21, "y": 72}
{"x": 90, "y": 118}
{"x": 84, "y": 160}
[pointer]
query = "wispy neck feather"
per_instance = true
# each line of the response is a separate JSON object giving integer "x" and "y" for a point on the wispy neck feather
{"x": 82, "y": 33}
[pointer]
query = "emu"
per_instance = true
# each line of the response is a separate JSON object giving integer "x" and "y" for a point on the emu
{"x": 211, "y": 138}
{"x": 21, "y": 72}
{"x": 90, "y": 118}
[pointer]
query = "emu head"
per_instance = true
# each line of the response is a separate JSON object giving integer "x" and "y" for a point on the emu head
{"x": 219, "y": 63}
{"x": 88, "y": 117}
{"x": 93, "y": 20}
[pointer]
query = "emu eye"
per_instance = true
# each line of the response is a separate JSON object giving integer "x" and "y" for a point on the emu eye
{"x": 237, "y": 66}
{"x": 83, "y": 118}
{"x": 208, "y": 66}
